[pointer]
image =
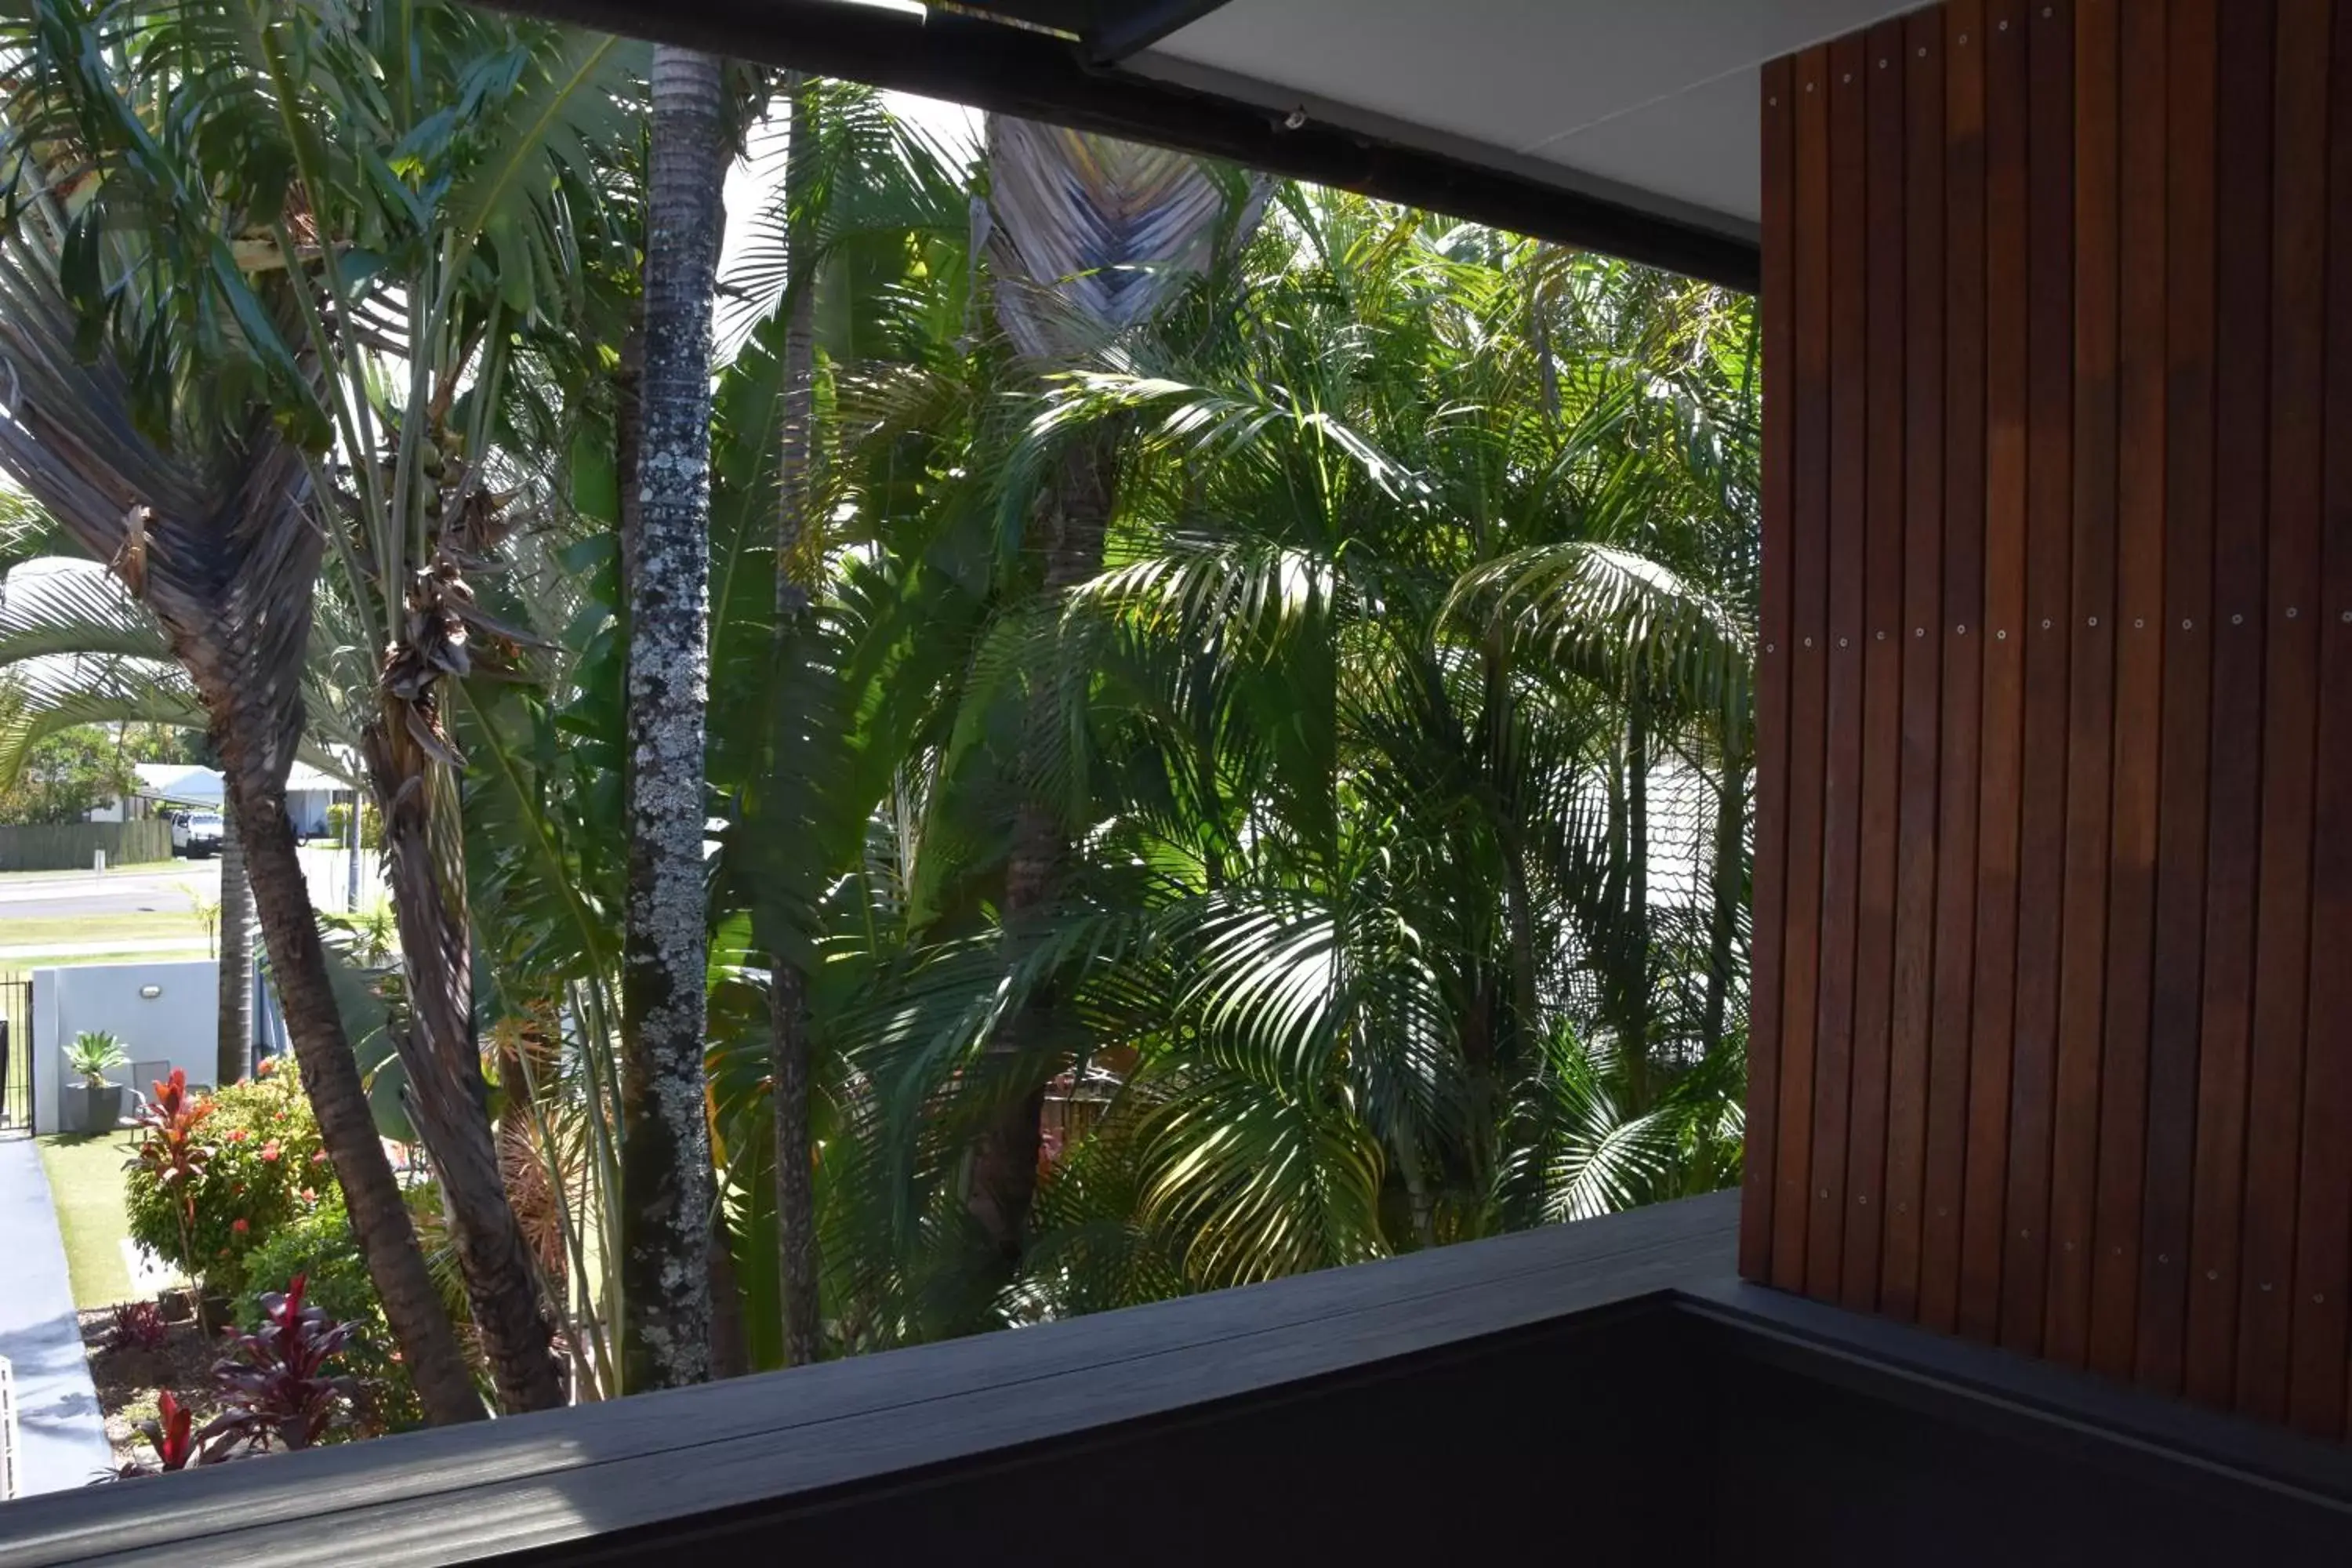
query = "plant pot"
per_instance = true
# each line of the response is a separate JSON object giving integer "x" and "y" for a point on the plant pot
{"x": 92, "y": 1108}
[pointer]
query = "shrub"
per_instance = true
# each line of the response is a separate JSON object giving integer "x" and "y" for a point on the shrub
{"x": 320, "y": 1246}
{"x": 274, "y": 1381}
{"x": 339, "y": 824}
{"x": 167, "y": 1168}
{"x": 174, "y": 1439}
{"x": 251, "y": 1155}
{"x": 137, "y": 1326}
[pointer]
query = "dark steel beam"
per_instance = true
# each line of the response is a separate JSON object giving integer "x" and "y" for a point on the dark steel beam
{"x": 1010, "y": 70}
{"x": 1139, "y": 24}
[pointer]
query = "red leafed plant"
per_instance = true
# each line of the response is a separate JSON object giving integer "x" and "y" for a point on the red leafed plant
{"x": 168, "y": 1124}
{"x": 137, "y": 1325}
{"x": 274, "y": 1383}
{"x": 169, "y": 1149}
{"x": 174, "y": 1438}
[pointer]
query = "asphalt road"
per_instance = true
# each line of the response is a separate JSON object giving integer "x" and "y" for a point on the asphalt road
{"x": 163, "y": 889}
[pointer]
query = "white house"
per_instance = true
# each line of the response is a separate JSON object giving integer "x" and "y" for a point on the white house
{"x": 172, "y": 785}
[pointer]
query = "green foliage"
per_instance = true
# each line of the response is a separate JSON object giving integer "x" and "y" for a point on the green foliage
{"x": 1395, "y": 741}
{"x": 318, "y": 1244}
{"x": 339, "y": 824}
{"x": 264, "y": 1168}
{"x": 64, "y": 777}
{"x": 25, "y": 530}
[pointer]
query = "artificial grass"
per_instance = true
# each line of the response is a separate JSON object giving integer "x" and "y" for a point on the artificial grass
{"x": 85, "y": 1173}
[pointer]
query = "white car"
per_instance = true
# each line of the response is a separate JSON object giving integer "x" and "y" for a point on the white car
{"x": 196, "y": 834}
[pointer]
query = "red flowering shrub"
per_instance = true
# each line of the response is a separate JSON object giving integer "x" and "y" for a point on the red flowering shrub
{"x": 249, "y": 1152}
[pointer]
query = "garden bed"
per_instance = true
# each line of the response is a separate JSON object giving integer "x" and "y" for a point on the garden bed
{"x": 131, "y": 1378}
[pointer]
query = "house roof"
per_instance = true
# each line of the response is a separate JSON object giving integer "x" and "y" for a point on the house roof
{"x": 1630, "y": 128}
{"x": 201, "y": 786}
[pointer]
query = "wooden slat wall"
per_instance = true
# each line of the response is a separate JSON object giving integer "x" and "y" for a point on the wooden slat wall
{"x": 2053, "y": 885}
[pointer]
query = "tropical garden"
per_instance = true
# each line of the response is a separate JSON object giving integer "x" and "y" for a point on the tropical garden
{"x": 1076, "y": 726}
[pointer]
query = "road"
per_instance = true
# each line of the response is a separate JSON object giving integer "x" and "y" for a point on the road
{"x": 165, "y": 888}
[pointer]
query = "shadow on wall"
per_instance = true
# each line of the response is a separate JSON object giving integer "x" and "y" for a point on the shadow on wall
{"x": 166, "y": 1016}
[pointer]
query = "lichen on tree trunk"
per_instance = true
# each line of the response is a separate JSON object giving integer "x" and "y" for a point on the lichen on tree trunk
{"x": 668, "y": 1192}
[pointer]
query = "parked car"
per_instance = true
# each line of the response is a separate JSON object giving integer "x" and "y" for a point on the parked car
{"x": 196, "y": 834}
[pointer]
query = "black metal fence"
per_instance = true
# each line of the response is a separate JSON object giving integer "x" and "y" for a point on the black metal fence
{"x": 16, "y": 1054}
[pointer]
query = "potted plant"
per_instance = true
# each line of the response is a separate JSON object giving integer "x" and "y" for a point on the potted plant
{"x": 94, "y": 1105}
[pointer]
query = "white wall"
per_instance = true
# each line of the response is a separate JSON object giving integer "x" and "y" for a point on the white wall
{"x": 307, "y": 808}
{"x": 178, "y": 1026}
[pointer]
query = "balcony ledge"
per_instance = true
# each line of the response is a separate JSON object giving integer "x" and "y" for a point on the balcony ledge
{"x": 1594, "y": 1382}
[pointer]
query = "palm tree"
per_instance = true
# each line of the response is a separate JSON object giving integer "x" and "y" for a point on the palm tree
{"x": 867, "y": 218}
{"x": 788, "y": 1020}
{"x": 1090, "y": 236}
{"x": 667, "y": 1189}
{"x": 213, "y": 536}
{"x": 392, "y": 332}
{"x": 234, "y": 1052}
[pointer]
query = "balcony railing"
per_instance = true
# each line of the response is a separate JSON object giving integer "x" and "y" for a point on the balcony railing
{"x": 1604, "y": 1389}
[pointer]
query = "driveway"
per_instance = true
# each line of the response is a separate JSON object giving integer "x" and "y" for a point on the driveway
{"x": 60, "y": 1435}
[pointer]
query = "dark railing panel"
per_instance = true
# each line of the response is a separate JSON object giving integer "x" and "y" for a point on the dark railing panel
{"x": 16, "y": 1054}
{"x": 1607, "y": 1389}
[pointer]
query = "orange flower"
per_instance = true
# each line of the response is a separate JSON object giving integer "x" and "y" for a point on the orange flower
{"x": 237, "y": 1136}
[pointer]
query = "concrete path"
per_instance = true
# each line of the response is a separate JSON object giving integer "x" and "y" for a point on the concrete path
{"x": 60, "y": 1436}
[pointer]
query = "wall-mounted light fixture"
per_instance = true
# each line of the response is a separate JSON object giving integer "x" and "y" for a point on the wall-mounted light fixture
{"x": 151, "y": 991}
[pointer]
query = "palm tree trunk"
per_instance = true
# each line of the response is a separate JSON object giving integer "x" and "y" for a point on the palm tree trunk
{"x": 1637, "y": 897}
{"x": 1071, "y": 521}
{"x": 447, "y": 1099}
{"x": 351, "y": 864}
{"x": 429, "y": 1350}
{"x": 233, "y": 1051}
{"x": 666, "y": 1180}
{"x": 1730, "y": 888}
{"x": 787, "y": 985}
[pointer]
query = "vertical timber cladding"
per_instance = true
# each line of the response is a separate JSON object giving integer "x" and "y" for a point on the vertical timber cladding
{"x": 2053, "y": 863}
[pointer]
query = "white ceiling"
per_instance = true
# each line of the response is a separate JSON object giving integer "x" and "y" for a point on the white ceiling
{"x": 1652, "y": 102}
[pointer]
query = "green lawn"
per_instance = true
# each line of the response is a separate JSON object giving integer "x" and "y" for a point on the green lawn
{"x": 85, "y": 1184}
{"x": 31, "y": 962}
{"x": 131, "y": 929}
